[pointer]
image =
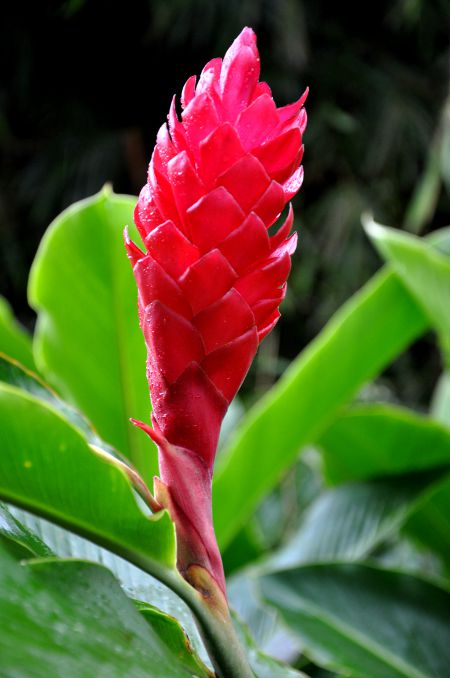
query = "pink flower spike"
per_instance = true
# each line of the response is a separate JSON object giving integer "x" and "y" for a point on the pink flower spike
{"x": 212, "y": 276}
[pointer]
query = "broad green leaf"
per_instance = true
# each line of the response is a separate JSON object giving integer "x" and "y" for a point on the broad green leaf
{"x": 375, "y": 440}
{"x": 347, "y": 523}
{"x": 172, "y": 635}
{"x": 71, "y": 619}
{"x": 140, "y": 585}
{"x": 431, "y": 524}
{"x": 357, "y": 343}
{"x": 17, "y": 375}
{"x": 424, "y": 271}
{"x": 14, "y": 341}
{"x": 88, "y": 344}
{"x": 136, "y": 583}
{"x": 364, "y": 621}
{"x": 47, "y": 467}
{"x": 440, "y": 406}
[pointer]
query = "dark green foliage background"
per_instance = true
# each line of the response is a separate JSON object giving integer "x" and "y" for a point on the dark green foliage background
{"x": 86, "y": 85}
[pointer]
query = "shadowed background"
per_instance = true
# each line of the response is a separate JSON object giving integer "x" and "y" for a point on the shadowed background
{"x": 86, "y": 85}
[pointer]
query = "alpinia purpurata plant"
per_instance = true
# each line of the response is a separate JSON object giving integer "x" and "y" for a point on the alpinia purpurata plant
{"x": 210, "y": 282}
{"x": 211, "y": 277}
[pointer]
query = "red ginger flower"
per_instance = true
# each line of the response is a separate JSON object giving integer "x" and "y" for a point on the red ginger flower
{"x": 211, "y": 278}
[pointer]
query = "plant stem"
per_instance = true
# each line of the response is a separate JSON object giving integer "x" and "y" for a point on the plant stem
{"x": 224, "y": 647}
{"x": 214, "y": 622}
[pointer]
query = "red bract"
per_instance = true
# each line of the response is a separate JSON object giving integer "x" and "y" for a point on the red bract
{"x": 211, "y": 278}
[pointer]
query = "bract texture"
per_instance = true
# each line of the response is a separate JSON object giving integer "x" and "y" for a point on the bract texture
{"x": 211, "y": 277}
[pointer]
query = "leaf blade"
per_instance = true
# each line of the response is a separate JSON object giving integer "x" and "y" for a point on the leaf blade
{"x": 14, "y": 340}
{"x": 48, "y": 468}
{"x": 424, "y": 271}
{"x": 374, "y": 440}
{"x": 348, "y": 522}
{"x": 88, "y": 343}
{"x": 71, "y": 618}
{"x": 365, "y": 621}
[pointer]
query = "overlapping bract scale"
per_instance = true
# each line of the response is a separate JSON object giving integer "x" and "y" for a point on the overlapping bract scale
{"x": 219, "y": 177}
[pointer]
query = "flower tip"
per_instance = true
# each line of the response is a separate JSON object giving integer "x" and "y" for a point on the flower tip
{"x": 247, "y": 37}
{"x": 246, "y": 40}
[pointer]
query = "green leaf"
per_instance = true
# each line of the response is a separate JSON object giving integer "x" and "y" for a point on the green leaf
{"x": 440, "y": 406}
{"x": 88, "y": 343}
{"x": 364, "y": 621}
{"x": 343, "y": 524}
{"x": 12, "y": 530}
{"x": 431, "y": 524}
{"x": 135, "y": 582}
{"x": 71, "y": 619}
{"x": 47, "y": 467}
{"x": 140, "y": 585}
{"x": 424, "y": 271}
{"x": 347, "y": 523}
{"x": 374, "y": 440}
{"x": 16, "y": 375}
{"x": 14, "y": 341}
{"x": 356, "y": 344}
{"x": 172, "y": 635}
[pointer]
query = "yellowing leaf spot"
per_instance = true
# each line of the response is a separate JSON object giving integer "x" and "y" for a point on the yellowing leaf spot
{"x": 28, "y": 463}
